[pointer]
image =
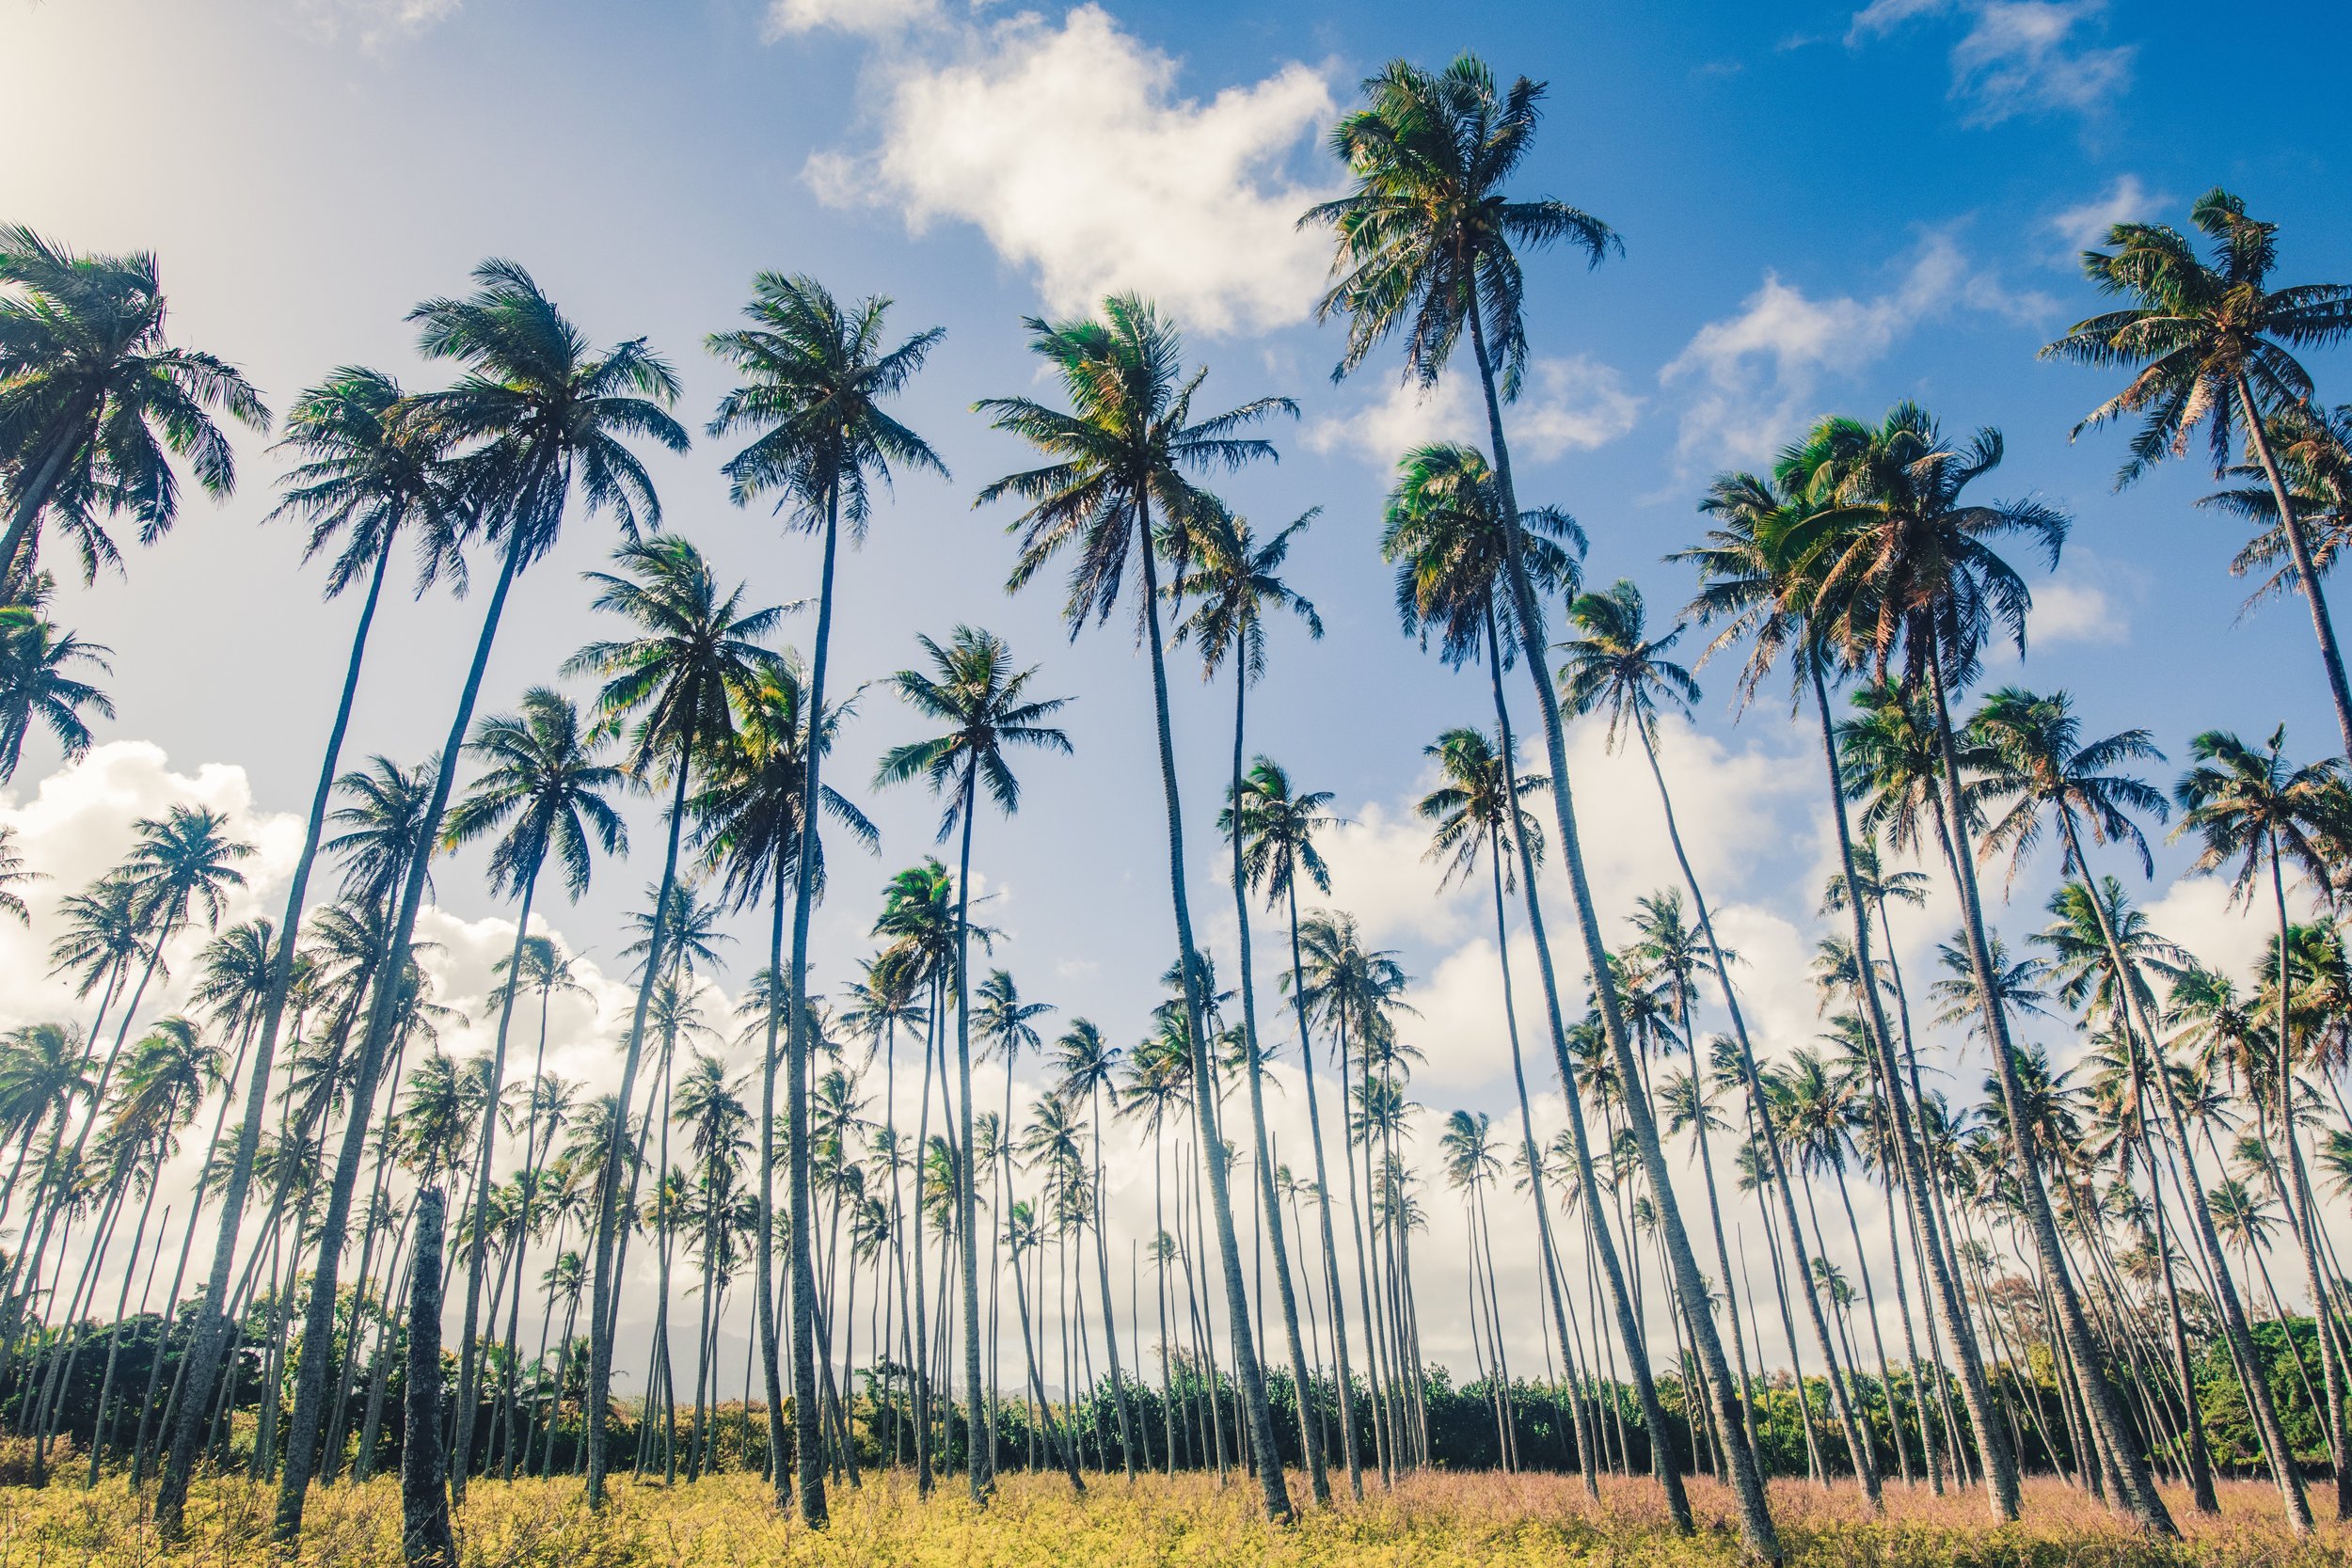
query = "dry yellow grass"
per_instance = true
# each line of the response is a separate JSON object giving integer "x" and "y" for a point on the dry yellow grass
{"x": 1432, "y": 1521}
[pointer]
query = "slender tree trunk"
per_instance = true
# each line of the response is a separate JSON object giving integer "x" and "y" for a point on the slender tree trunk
{"x": 2300, "y": 550}
{"x": 604, "y": 1273}
{"x": 1252, "y": 1382}
{"x": 2110, "y": 1425}
{"x": 967, "y": 1173}
{"x": 764, "y": 1266}
{"x": 1333, "y": 1291}
{"x": 806, "y": 1435}
{"x": 73, "y": 430}
{"x": 210, "y": 1331}
{"x": 1127, "y": 1423}
{"x": 1756, "y": 1521}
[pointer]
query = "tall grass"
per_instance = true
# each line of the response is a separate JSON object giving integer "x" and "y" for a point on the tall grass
{"x": 1431, "y": 1521}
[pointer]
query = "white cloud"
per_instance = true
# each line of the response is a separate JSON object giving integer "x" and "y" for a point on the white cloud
{"x": 1069, "y": 149}
{"x": 1755, "y": 374}
{"x": 2066, "y": 609}
{"x": 2086, "y": 224}
{"x": 1571, "y": 404}
{"x": 373, "y": 20}
{"x": 2018, "y": 57}
{"x": 870, "y": 18}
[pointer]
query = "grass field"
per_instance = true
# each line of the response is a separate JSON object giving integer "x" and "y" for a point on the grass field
{"x": 1432, "y": 1521}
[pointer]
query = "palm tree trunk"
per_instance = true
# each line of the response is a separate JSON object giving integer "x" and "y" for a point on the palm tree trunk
{"x": 425, "y": 1537}
{"x": 1110, "y": 1324}
{"x": 1310, "y": 1440}
{"x": 468, "y": 1357}
{"x": 604, "y": 1282}
{"x": 806, "y": 1434}
{"x": 918, "y": 1323}
{"x": 2110, "y": 1425}
{"x": 2000, "y": 1464}
{"x": 764, "y": 1265}
{"x": 2299, "y": 549}
{"x": 209, "y": 1334}
{"x": 1333, "y": 1293}
{"x": 967, "y": 1173}
{"x": 71, "y": 430}
{"x": 1252, "y": 1382}
{"x": 317, "y": 1340}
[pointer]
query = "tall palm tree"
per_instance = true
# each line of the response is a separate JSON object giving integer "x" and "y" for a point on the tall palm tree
{"x": 94, "y": 402}
{"x": 1086, "y": 1061}
{"x": 2211, "y": 342}
{"x": 544, "y": 785}
{"x": 1008, "y": 1026}
{"x": 1126, "y": 451}
{"x": 1277, "y": 826}
{"x": 1425, "y": 242}
{"x": 1231, "y": 582}
{"x": 1762, "y": 581}
{"x": 1908, "y": 573}
{"x": 2250, "y": 808}
{"x": 674, "y": 684}
{"x": 815, "y": 378}
{"x": 540, "y": 415}
{"x": 1444, "y": 531}
{"x": 974, "y": 688}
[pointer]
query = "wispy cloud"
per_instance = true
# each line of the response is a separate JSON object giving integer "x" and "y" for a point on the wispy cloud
{"x": 1071, "y": 149}
{"x": 374, "y": 22}
{"x": 1570, "y": 405}
{"x": 1753, "y": 376}
{"x": 2017, "y": 56}
{"x": 2086, "y": 224}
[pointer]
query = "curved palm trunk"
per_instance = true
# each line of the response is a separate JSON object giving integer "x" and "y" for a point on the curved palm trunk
{"x": 72, "y": 430}
{"x": 469, "y": 1354}
{"x": 1332, "y": 1291}
{"x": 302, "y": 1438}
{"x": 2111, "y": 1426}
{"x": 1999, "y": 1462}
{"x": 1248, "y": 1375}
{"x": 604, "y": 1274}
{"x": 806, "y": 1431}
{"x": 1756, "y": 1521}
{"x": 975, "y": 1426}
{"x": 1310, "y": 1437}
{"x": 209, "y": 1334}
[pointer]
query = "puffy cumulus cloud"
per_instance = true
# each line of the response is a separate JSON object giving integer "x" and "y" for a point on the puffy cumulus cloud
{"x": 2016, "y": 57}
{"x": 1571, "y": 404}
{"x": 1069, "y": 148}
{"x": 1752, "y": 378}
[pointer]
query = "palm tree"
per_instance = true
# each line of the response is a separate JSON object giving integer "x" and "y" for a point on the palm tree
{"x": 1443, "y": 530}
{"x": 973, "y": 688}
{"x": 541, "y": 415}
{"x": 815, "y": 377}
{"x": 1008, "y": 1025}
{"x": 91, "y": 396}
{"x": 1230, "y": 579}
{"x": 1428, "y": 233}
{"x": 1615, "y": 666}
{"x": 2250, "y": 807}
{"x": 1124, "y": 450}
{"x": 14, "y": 876}
{"x": 1086, "y": 1061}
{"x": 696, "y": 653}
{"x": 1907, "y": 571}
{"x": 2211, "y": 342}
{"x": 2313, "y": 448}
{"x": 39, "y": 685}
{"x": 1761, "y": 578}
{"x": 544, "y": 785}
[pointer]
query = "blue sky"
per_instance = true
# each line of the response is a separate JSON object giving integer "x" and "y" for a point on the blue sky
{"x": 1822, "y": 210}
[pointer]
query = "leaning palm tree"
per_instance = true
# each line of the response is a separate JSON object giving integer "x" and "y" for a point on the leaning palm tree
{"x": 748, "y": 825}
{"x": 1908, "y": 576}
{"x": 1277, "y": 826}
{"x": 1425, "y": 242}
{"x": 974, "y": 688}
{"x": 542, "y": 416}
{"x": 1124, "y": 452}
{"x": 545, "y": 786}
{"x": 2252, "y": 810}
{"x": 1761, "y": 579}
{"x": 674, "y": 684}
{"x": 1232, "y": 583}
{"x": 815, "y": 377}
{"x": 2211, "y": 342}
{"x": 94, "y": 402}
